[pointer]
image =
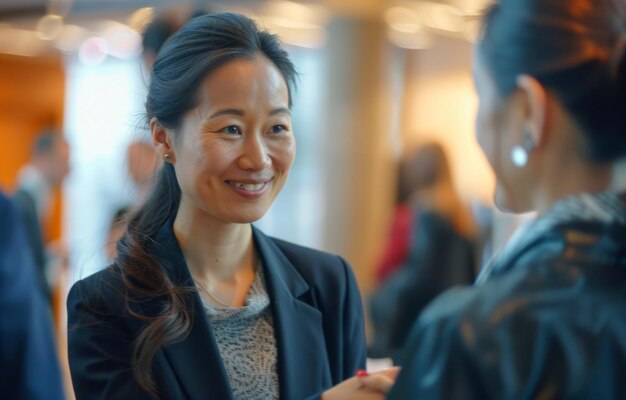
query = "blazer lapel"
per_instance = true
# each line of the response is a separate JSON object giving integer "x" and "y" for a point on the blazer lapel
{"x": 302, "y": 363}
{"x": 196, "y": 360}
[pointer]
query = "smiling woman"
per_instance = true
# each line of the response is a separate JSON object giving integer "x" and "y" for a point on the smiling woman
{"x": 199, "y": 303}
{"x": 236, "y": 147}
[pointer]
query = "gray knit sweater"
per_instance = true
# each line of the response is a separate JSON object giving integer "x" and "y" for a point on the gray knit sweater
{"x": 247, "y": 343}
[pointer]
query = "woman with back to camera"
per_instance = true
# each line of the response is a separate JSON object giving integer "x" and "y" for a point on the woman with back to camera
{"x": 200, "y": 304}
{"x": 547, "y": 317}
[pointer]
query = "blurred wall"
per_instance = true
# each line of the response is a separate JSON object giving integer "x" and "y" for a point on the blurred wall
{"x": 31, "y": 99}
{"x": 358, "y": 159}
{"x": 440, "y": 105}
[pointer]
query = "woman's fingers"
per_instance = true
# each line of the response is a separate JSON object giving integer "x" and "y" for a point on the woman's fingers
{"x": 352, "y": 389}
{"x": 380, "y": 381}
{"x": 364, "y": 386}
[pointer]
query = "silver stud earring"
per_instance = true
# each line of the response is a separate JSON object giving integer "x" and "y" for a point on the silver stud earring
{"x": 166, "y": 156}
{"x": 519, "y": 153}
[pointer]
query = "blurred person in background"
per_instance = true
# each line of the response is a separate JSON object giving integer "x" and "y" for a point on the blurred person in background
{"x": 424, "y": 182}
{"x": 142, "y": 163}
{"x": 397, "y": 247}
{"x": 547, "y": 317}
{"x": 432, "y": 244}
{"x": 154, "y": 36}
{"x": 28, "y": 359}
{"x": 37, "y": 183}
{"x": 199, "y": 303}
{"x": 159, "y": 30}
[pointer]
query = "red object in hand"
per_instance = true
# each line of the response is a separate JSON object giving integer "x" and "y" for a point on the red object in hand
{"x": 362, "y": 373}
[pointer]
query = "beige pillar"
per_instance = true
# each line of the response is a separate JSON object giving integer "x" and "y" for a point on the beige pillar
{"x": 359, "y": 131}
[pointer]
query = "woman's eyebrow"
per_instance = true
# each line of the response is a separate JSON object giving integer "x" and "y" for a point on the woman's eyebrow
{"x": 281, "y": 110}
{"x": 238, "y": 112}
{"x": 227, "y": 111}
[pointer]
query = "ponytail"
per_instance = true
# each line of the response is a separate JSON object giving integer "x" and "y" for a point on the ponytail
{"x": 143, "y": 276}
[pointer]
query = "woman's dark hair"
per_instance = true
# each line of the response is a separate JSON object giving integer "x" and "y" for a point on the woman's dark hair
{"x": 204, "y": 44}
{"x": 575, "y": 48}
{"x": 119, "y": 217}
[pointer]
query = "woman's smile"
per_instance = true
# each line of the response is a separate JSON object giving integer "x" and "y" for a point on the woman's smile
{"x": 250, "y": 189}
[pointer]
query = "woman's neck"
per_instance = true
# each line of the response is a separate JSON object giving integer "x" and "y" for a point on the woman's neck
{"x": 213, "y": 249}
{"x": 577, "y": 179}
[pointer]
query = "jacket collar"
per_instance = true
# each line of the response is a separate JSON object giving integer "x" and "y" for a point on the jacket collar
{"x": 586, "y": 222}
{"x": 298, "y": 327}
{"x": 302, "y": 363}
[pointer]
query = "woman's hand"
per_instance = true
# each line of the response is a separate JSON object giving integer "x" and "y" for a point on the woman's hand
{"x": 364, "y": 387}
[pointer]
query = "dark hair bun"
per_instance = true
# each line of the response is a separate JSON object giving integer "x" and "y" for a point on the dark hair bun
{"x": 576, "y": 49}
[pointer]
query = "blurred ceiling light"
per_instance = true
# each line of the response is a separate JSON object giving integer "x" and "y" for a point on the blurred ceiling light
{"x": 20, "y": 42}
{"x": 122, "y": 41}
{"x": 291, "y": 24}
{"x": 409, "y": 40}
{"x": 407, "y": 28}
{"x": 441, "y": 16}
{"x": 403, "y": 19}
{"x": 108, "y": 24}
{"x": 472, "y": 30}
{"x": 71, "y": 38}
{"x": 452, "y": 18}
{"x": 141, "y": 18}
{"x": 50, "y": 26}
{"x": 93, "y": 51}
{"x": 309, "y": 38}
{"x": 471, "y": 7}
{"x": 293, "y": 15}
{"x": 298, "y": 24}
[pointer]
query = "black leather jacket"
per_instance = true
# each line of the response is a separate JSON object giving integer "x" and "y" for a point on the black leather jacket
{"x": 550, "y": 325}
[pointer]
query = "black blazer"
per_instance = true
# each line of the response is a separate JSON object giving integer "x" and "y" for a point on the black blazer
{"x": 550, "y": 323}
{"x": 318, "y": 322}
{"x": 28, "y": 359}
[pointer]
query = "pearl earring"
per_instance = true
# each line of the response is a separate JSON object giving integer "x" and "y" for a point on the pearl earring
{"x": 166, "y": 156}
{"x": 519, "y": 156}
{"x": 519, "y": 153}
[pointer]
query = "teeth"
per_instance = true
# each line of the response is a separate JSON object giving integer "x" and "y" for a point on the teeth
{"x": 250, "y": 187}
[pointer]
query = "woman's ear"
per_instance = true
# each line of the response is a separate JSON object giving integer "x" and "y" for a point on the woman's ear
{"x": 162, "y": 141}
{"x": 536, "y": 110}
